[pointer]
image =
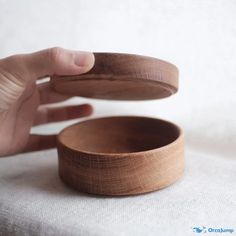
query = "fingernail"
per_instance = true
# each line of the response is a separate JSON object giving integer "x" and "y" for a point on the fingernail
{"x": 84, "y": 59}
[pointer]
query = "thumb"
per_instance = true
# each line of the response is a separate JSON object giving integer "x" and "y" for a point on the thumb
{"x": 18, "y": 70}
{"x": 58, "y": 61}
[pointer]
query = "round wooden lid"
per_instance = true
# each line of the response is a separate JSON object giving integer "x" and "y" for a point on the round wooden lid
{"x": 117, "y": 76}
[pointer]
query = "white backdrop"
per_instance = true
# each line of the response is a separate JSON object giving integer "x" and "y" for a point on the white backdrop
{"x": 199, "y": 36}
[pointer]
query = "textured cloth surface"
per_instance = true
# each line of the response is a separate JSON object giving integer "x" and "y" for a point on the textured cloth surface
{"x": 199, "y": 36}
{"x": 33, "y": 201}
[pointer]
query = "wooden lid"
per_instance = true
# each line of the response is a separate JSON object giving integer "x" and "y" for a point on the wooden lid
{"x": 118, "y": 76}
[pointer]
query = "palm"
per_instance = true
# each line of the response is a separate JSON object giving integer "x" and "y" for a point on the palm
{"x": 18, "y": 120}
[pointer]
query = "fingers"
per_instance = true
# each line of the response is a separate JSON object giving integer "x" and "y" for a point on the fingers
{"x": 40, "y": 142}
{"x": 47, "y": 115}
{"x": 58, "y": 61}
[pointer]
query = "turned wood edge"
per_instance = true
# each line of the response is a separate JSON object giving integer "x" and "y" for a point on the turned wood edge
{"x": 123, "y": 67}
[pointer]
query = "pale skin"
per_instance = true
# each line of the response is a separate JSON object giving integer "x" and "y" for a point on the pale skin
{"x": 24, "y": 104}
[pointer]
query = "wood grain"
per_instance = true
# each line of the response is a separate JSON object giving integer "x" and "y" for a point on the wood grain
{"x": 119, "y": 76}
{"x": 121, "y": 155}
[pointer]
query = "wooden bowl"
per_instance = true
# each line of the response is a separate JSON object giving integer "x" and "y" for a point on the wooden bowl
{"x": 121, "y": 155}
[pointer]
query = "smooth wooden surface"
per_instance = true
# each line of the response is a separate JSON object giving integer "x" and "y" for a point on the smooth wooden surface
{"x": 119, "y": 76}
{"x": 121, "y": 155}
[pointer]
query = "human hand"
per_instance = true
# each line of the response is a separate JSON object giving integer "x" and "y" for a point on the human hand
{"x": 23, "y": 103}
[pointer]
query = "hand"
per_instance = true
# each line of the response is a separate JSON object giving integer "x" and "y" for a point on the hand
{"x": 23, "y": 103}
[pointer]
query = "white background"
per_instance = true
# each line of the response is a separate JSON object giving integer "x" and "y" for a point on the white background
{"x": 199, "y": 36}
